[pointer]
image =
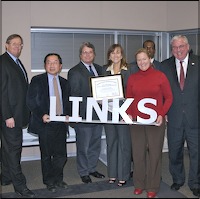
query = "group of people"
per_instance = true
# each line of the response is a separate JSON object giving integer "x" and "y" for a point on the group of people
{"x": 137, "y": 147}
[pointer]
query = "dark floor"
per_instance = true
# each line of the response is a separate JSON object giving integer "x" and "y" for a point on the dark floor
{"x": 99, "y": 189}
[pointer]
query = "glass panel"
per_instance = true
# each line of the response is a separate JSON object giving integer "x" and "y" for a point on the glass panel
{"x": 192, "y": 36}
{"x": 131, "y": 43}
{"x": 44, "y": 43}
{"x": 67, "y": 45}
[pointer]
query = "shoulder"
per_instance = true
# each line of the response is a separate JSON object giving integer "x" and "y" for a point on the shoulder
{"x": 97, "y": 66}
{"x": 160, "y": 74}
{"x": 6, "y": 60}
{"x": 75, "y": 68}
{"x": 134, "y": 75}
{"x": 62, "y": 79}
{"x": 169, "y": 60}
{"x": 194, "y": 57}
{"x": 39, "y": 77}
{"x": 133, "y": 67}
{"x": 157, "y": 64}
{"x": 4, "y": 55}
{"x": 105, "y": 66}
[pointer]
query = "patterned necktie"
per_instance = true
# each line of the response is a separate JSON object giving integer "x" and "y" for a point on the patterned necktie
{"x": 182, "y": 77}
{"x": 22, "y": 69}
{"x": 56, "y": 93}
{"x": 91, "y": 71}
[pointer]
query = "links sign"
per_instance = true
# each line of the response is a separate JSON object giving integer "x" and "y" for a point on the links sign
{"x": 102, "y": 111}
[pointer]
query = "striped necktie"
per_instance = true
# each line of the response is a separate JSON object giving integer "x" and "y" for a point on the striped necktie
{"x": 22, "y": 69}
{"x": 91, "y": 71}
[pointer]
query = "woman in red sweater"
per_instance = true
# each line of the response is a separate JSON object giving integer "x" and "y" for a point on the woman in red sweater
{"x": 147, "y": 140}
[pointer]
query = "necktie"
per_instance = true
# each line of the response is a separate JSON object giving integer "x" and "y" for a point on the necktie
{"x": 91, "y": 71}
{"x": 182, "y": 77}
{"x": 22, "y": 69}
{"x": 56, "y": 93}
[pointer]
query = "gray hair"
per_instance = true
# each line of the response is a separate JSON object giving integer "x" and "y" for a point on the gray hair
{"x": 86, "y": 44}
{"x": 176, "y": 37}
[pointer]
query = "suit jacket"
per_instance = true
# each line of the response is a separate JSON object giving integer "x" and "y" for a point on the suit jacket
{"x": 185, "y": 101}
{"x": 14, "y": 88}
{"x": 79, "y": 79}
{"x": 38, "y": 100}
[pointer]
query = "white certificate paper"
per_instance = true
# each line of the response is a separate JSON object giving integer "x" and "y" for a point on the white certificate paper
{"x": 109, "y": 87}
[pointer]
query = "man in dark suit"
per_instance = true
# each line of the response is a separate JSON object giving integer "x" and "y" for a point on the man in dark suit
{"x": 15, "y": 115}
{"x": 183, "y": 123}
{"x": 52, "y": 135}
{"x": 88, "y": 136}
{"x": 151, "y": 48}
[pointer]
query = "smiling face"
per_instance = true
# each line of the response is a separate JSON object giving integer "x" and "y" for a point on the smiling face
{"x": 180, "y": 48}
{"x": 150, "y": 46}
{"x": 87, "y": 55}
{"x": 116, "y": 55}
{"x": 14, "y": 46}
{"x": 53, "y": 65}
{"x": 143, "y": 59}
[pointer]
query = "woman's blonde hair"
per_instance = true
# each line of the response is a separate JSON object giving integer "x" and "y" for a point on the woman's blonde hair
{"x": 142, "y": 50}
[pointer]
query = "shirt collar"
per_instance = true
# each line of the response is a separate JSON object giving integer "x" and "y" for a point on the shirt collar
{"x": 13, "y": 57}
{"x": 185, "y": 60}
{"x": 110, "y": 68}
{"x": 50, "y": 76}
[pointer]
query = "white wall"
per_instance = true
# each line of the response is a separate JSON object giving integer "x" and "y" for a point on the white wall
{"x": 20, "y": 16}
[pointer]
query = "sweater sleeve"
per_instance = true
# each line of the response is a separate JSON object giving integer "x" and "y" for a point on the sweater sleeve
{"x": 129, "y": 94}
{"x": 167, "y": 95}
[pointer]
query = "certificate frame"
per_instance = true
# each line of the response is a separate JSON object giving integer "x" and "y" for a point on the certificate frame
{"x": 109, "y": 87}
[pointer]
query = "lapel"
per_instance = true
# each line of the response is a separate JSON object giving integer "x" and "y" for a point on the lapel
{"x": 99, "y": 72}
{"x": 174, "y": 72}
{"x": 84, "y": 70}
{"x": 62, "y": 86}
{"x": 190, "y": 71}
{"x": 16, "y": 68}
{"x": 26, "y": 76}
{"x": 45, "y": 87}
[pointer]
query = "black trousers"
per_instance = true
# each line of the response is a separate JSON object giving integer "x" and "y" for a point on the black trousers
{"x": 11, "y": 157}
{"x": 52, "y": 140}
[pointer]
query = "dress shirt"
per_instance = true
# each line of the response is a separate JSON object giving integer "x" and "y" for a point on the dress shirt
{"x": 51, "y": 88}
{"x": 92, "y": 67}
{"x": 178, "y": 65}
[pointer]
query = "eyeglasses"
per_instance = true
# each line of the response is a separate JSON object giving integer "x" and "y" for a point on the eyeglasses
{"x": 85, "y": 52}
{"x": 16, "y": 45}
{"x": 178, "y": 47}
{"x": 52, "y": 63}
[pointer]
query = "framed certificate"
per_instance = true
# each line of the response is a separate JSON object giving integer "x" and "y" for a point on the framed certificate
{"x": 110, "y": 87}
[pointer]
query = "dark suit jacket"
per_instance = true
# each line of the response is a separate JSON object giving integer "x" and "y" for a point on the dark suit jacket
{"x": 38, "y": 100}
{"x": 186, "y": 101}
{"x": 79, "y": 79}
{"x": 14, "y": 89}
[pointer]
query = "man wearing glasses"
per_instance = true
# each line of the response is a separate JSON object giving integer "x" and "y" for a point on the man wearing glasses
{"x": 15, "y": 115}
{"x": 183, "y": 123}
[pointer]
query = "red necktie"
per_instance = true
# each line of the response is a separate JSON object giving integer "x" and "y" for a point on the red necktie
{"x": 182, "y": 77}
